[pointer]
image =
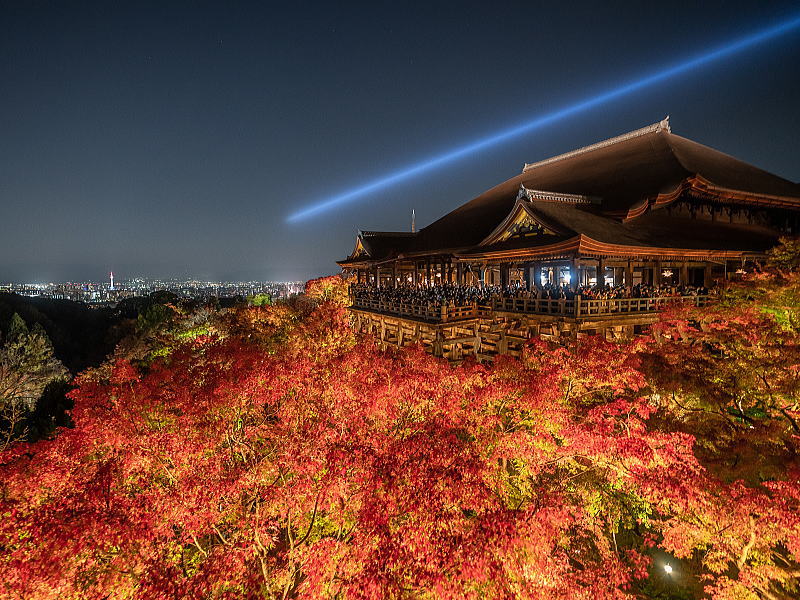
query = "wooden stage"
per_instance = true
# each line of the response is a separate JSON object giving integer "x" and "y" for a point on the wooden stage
{"x": 503, "y": 327}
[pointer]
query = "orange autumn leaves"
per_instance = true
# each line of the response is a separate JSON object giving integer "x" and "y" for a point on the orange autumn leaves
{"x": 283, "y": 457}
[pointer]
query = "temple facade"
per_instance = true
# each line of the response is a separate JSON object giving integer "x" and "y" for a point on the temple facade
{"x": 647, "y": 208}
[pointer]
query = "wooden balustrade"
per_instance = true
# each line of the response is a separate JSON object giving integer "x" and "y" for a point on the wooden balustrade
{"x": 615, "y": 306}
{"x": 577, "y": 307}
{"x": 542, "y": 306}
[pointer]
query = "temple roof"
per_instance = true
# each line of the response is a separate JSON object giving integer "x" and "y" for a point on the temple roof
{"x": 654, "y": 229}
{"x": 378, "y": 245}
{"x": 621, "y": 173}
{"x": 592, "y": 190}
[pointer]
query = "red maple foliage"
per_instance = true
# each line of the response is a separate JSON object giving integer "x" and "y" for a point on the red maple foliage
{"x": 281, "y": 457}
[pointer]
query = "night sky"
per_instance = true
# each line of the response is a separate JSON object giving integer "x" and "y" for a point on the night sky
{"x": 174, "y": 139}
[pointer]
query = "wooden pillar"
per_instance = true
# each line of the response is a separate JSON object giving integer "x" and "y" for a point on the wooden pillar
{"x": 415, "y": 276}
{"x": 377, "y": 277}
{"x": 394, "y": 274}
{"x": 504, "y": 274}
{"x": 601, "y": 272}
{"x": 574, "y": 274}
{"x": 428, "y": 271}
{"x": 684, "y": 276}
{"x": 459, "y": 273}
{"x": 657, "y": 272}
{"x": 537, "y": 275}
{"x": 526, "y": 275}
{"x": 707, "y": 276}
{"x": 629, "y": 275}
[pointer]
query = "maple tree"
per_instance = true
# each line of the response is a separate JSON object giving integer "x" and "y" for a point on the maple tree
{"x": 267, "y": 451}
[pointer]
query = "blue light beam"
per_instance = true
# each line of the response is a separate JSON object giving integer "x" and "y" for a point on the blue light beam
{"x": 724, "y": 51}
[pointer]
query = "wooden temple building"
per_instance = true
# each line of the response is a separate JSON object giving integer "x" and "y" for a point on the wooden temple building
{"x": 645, "y": 208}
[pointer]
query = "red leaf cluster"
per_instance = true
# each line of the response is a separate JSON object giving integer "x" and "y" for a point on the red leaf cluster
{"x": 326, "y": 468}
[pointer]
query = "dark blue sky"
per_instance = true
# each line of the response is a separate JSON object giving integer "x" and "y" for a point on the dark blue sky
{"x": 175, "y": 138}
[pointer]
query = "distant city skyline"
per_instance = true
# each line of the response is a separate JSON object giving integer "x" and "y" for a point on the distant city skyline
{"x": 131, "y": 279}
{"x": 174, "y": 139}
{"x": 104, "y": 292}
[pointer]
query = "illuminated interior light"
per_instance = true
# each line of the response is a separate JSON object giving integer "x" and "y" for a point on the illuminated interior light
{"x": 434, "y": 162}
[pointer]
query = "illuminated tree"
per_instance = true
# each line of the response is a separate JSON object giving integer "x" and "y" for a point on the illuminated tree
{"x": 278, "y": 456}
{"x": 27, "y": 367}
{"x": 333, "y": 288}
{"x": 785, "y": 257}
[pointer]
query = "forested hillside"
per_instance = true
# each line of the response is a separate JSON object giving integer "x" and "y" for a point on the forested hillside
{"x": 266, "y": 452}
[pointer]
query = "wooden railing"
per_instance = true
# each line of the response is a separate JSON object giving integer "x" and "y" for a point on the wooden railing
{"x": 576, "y": 307}
{"x": 616, "y": 306}
{"x": 428, "y": 311}
{"x": 539, "y": 306}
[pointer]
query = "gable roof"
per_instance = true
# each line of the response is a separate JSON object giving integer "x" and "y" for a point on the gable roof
{"x": 379, "y": 245}
{"x": 611, "y": 192}
{"x": 620, "y": 172}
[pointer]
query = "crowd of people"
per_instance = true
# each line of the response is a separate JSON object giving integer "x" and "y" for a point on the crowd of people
{"x": 464, "y": 295}
{"x": 443, "y": 294}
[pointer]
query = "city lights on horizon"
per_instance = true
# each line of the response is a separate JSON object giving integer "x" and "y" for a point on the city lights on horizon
{"x": 111, "y": 291}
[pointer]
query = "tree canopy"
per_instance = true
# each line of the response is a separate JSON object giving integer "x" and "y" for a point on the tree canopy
{"x": 27, "y": 367}
{"x": 272, "y": 453}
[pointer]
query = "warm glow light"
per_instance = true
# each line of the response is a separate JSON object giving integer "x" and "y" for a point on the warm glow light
{"x": 624, "y": 89}
{"x": 668, "y": 568}
{"x": 666, "y": 273}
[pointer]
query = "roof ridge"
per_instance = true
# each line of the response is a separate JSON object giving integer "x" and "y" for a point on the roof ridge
{"x": 721, "y": 153}
{"x": 387, "y": 233}
{"x": 662, "y": 125}
{"x": 531, "y": 195}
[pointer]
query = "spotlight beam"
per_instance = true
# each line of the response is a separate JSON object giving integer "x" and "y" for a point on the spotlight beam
{"x": 719, "y": 53}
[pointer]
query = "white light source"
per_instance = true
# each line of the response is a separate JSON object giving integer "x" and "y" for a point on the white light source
{"x": 667, "y": 273}
{"x": 668, "y": 568}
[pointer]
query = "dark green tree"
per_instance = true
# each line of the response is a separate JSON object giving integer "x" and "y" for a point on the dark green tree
{"x": 27, "y": 366}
